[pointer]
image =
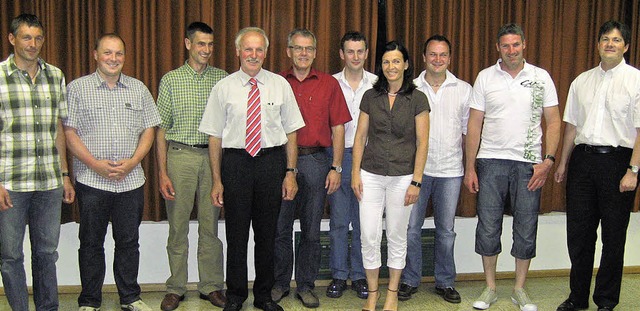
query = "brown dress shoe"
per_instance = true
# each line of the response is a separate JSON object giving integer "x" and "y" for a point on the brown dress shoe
{"x": 171, "y": 302}
{"x": 216, "y": 298}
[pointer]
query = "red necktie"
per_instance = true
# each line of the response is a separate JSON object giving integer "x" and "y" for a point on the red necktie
{"x": 252, "y": 141}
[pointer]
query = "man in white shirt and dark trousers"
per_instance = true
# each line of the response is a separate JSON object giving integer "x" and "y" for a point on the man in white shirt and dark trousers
{"x": 449, "y": 99}
{"x": 600, "y": 160}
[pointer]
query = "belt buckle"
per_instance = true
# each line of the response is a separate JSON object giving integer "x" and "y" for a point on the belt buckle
{"x": 588, "y": 148}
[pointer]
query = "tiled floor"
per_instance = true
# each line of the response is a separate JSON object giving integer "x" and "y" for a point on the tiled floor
{"x": 548, "y": 293}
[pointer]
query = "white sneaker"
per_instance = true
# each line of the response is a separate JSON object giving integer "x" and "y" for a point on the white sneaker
{"x": 485, "y": 300}
{"x": 137, "y": 305}
{"x": 521, "y": 299}
{"x": 85, "y": 308}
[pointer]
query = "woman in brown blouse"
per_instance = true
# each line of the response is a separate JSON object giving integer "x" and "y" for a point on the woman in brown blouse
{"x": 389, "y": 153}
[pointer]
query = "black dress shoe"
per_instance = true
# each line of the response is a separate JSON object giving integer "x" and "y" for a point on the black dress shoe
{"x": 605, "y": 308}
{"x": 232, "y": 306}
{"x": 336, "y": 288}
{"x": 268, "y": 306}
{"x": 405, "y": 291}
{"x": 361, "y": 288}
{"x": 568, "y": 305}
{"x": 449, "y": 294}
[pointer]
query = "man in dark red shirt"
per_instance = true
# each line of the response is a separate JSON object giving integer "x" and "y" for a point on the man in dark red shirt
{"x": 325, "y": 112}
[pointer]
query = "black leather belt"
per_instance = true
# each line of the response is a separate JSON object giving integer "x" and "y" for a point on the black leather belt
{"x": 262, "y": 152}
{"x": 199, "y": 146}
{"x": 598, "y": 149}
{"x": 309, "y": 150}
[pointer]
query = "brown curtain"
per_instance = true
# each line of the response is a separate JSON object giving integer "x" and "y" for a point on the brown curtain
{"x": 560, "y": 38}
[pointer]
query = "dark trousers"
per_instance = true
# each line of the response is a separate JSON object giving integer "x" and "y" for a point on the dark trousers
{"x": 252, "y": 196}
{"x": 594, "y": 198}
{"x": 124, "y": 210}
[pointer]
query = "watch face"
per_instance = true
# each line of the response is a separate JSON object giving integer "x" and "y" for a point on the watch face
{"x": 337, "y": 168}
{"x": 634, "y": 169}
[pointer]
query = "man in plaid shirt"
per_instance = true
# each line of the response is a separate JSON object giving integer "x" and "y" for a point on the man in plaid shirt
{"x": 33, "y": 169}
{"x": 111, "y": 126}
{"x": 184, "y": 171}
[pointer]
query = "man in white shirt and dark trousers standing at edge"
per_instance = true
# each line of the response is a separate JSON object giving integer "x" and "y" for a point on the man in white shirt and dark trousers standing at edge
{"x": 600, "y": 160}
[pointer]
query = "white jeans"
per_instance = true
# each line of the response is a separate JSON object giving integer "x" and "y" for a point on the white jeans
{"x": 384, "y": 194}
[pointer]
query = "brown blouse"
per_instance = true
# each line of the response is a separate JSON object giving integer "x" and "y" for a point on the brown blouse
{"x": 391, "y": 138}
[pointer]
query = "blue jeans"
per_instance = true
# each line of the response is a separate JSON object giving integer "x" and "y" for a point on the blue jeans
{"x": 41, "y": 210}
{"x": 444, "y": 192}
{"x": 496, "y": 179}
{"x": 309, "y": 202}
{"x": 124, "y": 210}
{"x": 344, "y": 211}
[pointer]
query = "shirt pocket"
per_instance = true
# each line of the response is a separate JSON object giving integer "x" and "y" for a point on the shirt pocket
{"x": 271, "y": 116}
{"x": 93, "y": 115}
{"x": 618, "y": 106}
{"x": 134, "y": 117}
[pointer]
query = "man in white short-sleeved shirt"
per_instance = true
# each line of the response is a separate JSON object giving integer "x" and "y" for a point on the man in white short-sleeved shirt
{"x": 251, "y": 183}
{"x": 600, "y": 160}
{"x": 509, "y": 101}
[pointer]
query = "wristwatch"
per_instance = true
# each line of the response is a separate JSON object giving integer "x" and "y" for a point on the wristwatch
{"x": 292, "y": 169}
{"x": 634, "y": 168}
{"x": 337, "y": 169}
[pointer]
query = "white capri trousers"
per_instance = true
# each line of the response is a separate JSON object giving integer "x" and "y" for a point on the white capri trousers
{"x": 384, "y": 194}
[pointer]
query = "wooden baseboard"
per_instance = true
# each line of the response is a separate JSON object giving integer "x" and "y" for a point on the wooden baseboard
{"x": 111, "y": 288}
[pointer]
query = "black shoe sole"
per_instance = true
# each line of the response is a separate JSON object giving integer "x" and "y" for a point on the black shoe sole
{"x": 442, "y": 293}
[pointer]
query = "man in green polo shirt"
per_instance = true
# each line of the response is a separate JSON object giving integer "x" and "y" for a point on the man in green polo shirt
{"x": 184, "y": 170}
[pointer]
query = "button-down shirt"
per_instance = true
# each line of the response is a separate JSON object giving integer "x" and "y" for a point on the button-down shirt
{"x": 226, "y": 113}
{"x": 605, "y": 106}
{"x": 29, "y": 114}
{"x": 391, "y": 146}
{"x": 109, "y": 123}
{"x": 353, "y": 99}
{"x": 322, "y": 106}
{"x": 513, "y": 110}
{"x": 447, "y": 123}
{"x": 181, "y": 101}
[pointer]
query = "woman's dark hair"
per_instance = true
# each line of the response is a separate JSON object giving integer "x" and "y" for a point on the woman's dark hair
{"x": 382, "y": 85}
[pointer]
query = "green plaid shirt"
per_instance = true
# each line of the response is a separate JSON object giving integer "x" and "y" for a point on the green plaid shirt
{"x": 181, "y": 101}
{"x": 29, "y": 113}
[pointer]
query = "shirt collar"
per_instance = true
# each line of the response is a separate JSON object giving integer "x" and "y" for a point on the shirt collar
{"x": 13, "y": 67}
{"x": 343, "y": 78}
{"x": 525, "y": 70}
{"x": 312, "y": 74}
{"x": 449, "y": 79}
{"x": 244, "y": 77}
{"x": 122, "y": 80}
{"x": 193, "y": 71}
{"x": 614, "y": 69}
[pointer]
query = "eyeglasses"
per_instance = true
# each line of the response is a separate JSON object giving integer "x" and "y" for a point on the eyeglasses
{"x": 298, "y": 49}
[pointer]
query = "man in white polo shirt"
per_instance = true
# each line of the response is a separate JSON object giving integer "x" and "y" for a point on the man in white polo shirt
{"x": 509, "y": 101}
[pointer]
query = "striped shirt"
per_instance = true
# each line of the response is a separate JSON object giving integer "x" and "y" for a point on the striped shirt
{"x": 29, "y": 113}
{"x": 109, "y": 123}
{"x": 181, "y": 101}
